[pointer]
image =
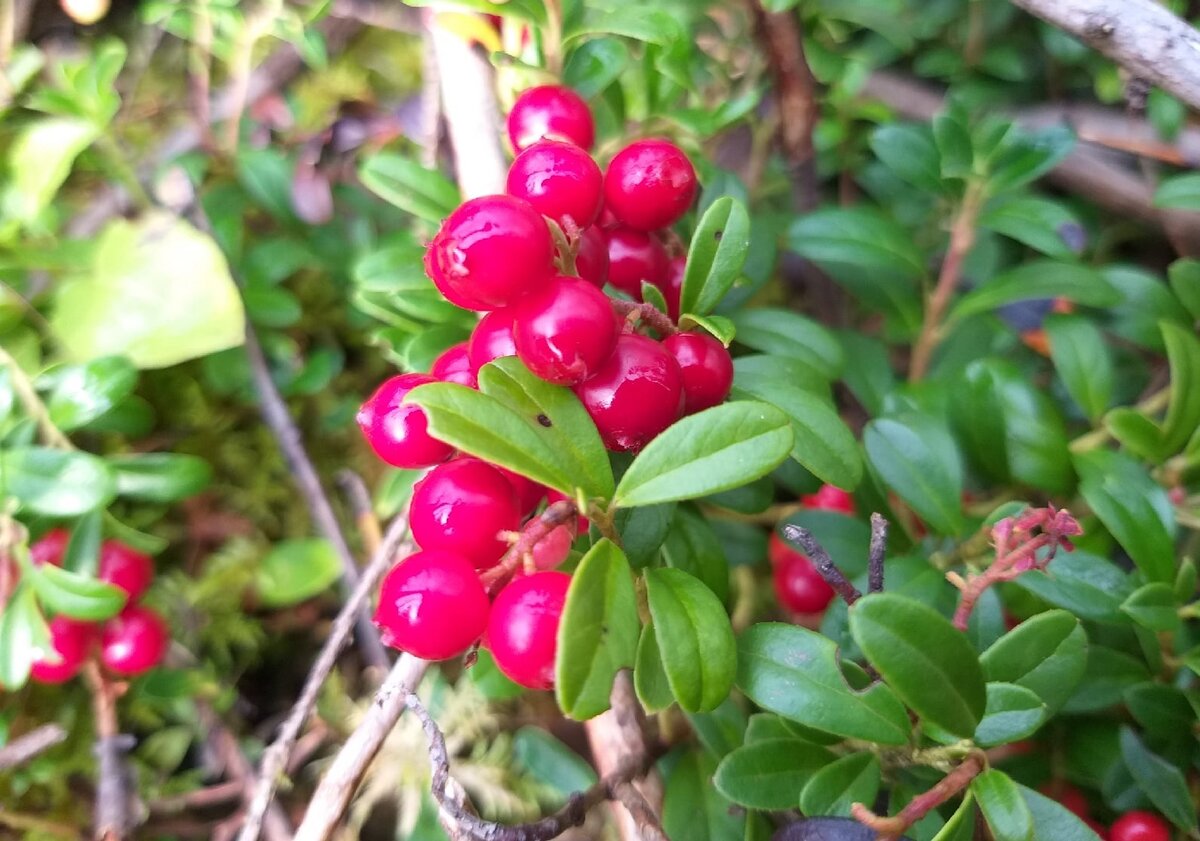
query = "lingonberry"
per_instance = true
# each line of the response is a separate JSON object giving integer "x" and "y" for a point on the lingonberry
{"x": 491, "y": 339}
{"x": 72, "y": 641}
{"x": 489, "y": 252}
{"x": 453, "y": 365}
{"x": 565, "y": 331}
{"x": 528, "y": 492}
{"x": 523, "y": 628}
{"x": 672, "y": 285}
{"x": 134, "y": 642}
{"x": 798, "y": 585}
{"x": 397, "y": 431}
{"x": 635, "y": 395}
{"x": 707, "y": 369}
{"x": 50, "y": 547}
{"x": 461, "y": 507}
{"x": 553, "y": 549}
{"x": 1069, "y": 797}
{"x": 432, "y": 605}
{"x": 633, "y": 257}
{"x": 649, "y": 184}
{"x": 125, "y": 568}
{"x": 1140, "y": 826}
{"x": 829, "y": 498}
{"x": 561, "y": 181}
{"x": 591, "y": 260}
{"x": 550, "y": 111}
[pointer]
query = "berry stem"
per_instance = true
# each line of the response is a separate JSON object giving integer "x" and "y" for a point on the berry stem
{"x": 561, "y": 513}
{"x": 889, "y": 829}
{"x": 647, "y": 313}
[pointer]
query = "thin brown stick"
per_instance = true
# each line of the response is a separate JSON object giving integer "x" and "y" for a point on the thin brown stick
{"x": 202, "y": 798}
{"x": 556, "y": 514}
{"x": 37, "y": 741}
{"x": 616, "y": 735}
{"x": 889, "y": 829}
{"x": 112, "y": 812}
{"x": 875, "y": 556}
{"x": 237, "y": 768}
{"x": 824, "y": 564}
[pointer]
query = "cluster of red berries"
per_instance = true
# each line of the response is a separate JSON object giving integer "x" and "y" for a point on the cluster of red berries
{"x": 536, "y": 261}
{"x": 1131, "y": 826}
{"x": 799, "y": 588}
{"x": 129, "y": 644}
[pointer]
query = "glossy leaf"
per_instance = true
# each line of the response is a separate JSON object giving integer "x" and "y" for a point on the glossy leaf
{"x": 1045, "y": 654}
{"x": 1013, "y": 713}
{"x": 1082, "y": 360}
{"x": 1088, "y": 585}
{"x": 595, "y": 64}
{"x": 160, "y": 477}
{"x": 39, "y": 160}
{"x": 769, "y": 774}
{"x": 81, "y": 393}
{"x": 1044, "y": 225}
{"x": 716, "y": 256}
{"x": 1153, "y": 606}
{"x": 1052, "y": 820}
{"x": 1159, "y": 780}
{"x": 550, "y": 762}
{"x": 1038, "y": 279}
{"x": 1184, "y": 275}
{"x": 918, "y": 459}
{"x": 1007, "y": 814}
{"x": 649, "y": 677}
{"x": 296, "y": 570}
{"x": 23, "y": 633}
{"x": 835, "y": 788}
{"x": 858, "y": 237}
{"x": 692, "y": 807}
{"x": 1183, "y": 411}
{"x": 1179, "y": 192}
{"x": 785, "y": 333}
{"x": 425, "y": 193}
{"x": 55, "y": 483}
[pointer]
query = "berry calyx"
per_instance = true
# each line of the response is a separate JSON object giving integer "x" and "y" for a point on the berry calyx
{"x": 560, "y": 181}
{"x": 707, "y": 369}
{"x": 398, "y": 432}
{"x": 50, "y": 547}
{"x": 1140, "y": 826}
{"x": 453, "y": 365}
{"x": 550, "y": 111}
{"x": 829, "y": 498}
{"x": 798, "y": 586}
{"x": 491, "y": 339}
{"x": 591, "y": 260}
{"x": 635, "y": 395}
{"x": 489, "y": 252}
{"x": 134, "y": 642}
{"x": 633, "y": 257}
{"x": 565, "y": 331}
{"x": 649, "y": 184}
{"x": 432, "y": 605}
{"x": 461, "y": 507}
{"x": 125, "y": 568}
{"x": 523, "y": 629}
{"x": 71, "y": 640}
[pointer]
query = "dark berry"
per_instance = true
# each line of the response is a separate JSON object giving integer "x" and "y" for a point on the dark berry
{"x": 432, "y": 605}
{"x": 491, "y": 339}
{"x": 650, "y": 184}
{"x": 453, "y": 365}
{"x": 829, "y": 498}
{"x": 523, "y": 628}
{"x": 707, "y": 369}
{"x": 591, "y": 260}
{"x": 633, "y": 257}
{"x": 398, "y": 431}
{"x": 550, "y": 111}
{"x": 134, "y": 642}
{"x": 635, "y": 395}
{"x": 72, "y": 641}
{"x": 125, "y": 568}
{"x": 461, "y": 507}
{"x": 565, "y": 331}
{"x": 1140, "y": 826}
{"x": 50, "y": 547}
{"x": 561, "y": 181}
{"x": 798, "y": 585}
{"x": 490, "y": 252}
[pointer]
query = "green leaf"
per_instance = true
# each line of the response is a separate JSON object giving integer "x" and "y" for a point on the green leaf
{"x": 83, "y": 549}
{"x": 425, "y": 193}
{"x": 1083, "y": 361}
{"x": 1046, "y": 654}
{"x": 1088, "y": 585}
{"x": 716, "y": 256}
{"x": 1037, "y": 279}
{"x": 1135, "y": 432}
{"x": 692, "y": 806}
{"x": 23, "y": 636}
{"x": 639, "y": 22}
{"x": 1180, "y": 192}
{"x": 1159, "y": 780}
{"x": 296, "y": 570}
{"x": 1183, "y": 411}
{"x": 785, "y": 333}
{"x": 1039, "y": 223}
{"x": 769, "y": 774}
{"x": 701, "y": 660}
{"x": 691, "y": 546}
{"x": 1162, "y": 710}
{"x": 1184, "y": 275}
{"x": 918, "y": 459}
{"x": 1107, "y": 675}
{"x": 960, "y": 826}
{"x": 794, "y": 672}
{"x": 81, "y": 393}
{"x": 160, "y": 477}
{"x": 908, "y": 150}
{"x": 714, "y": 450}
{"x": 532, "y": 11}
{"x": 598, "y": 632}
{"x": 649, "y": 677}
{"x": 1013, "y": 713}
{"x": 859, "y": 238}
{"x": 955, "y": 149}
{"x": 594, "y": 65}
{"x": 758, "y": 372}
{"x": 1052, "y": 820}
{"x": 1008, "y": 815}
{"x": 1153, "y": 606}
{"x": 840, "y": 784}
{"x": 550, "y": 762}
{"x": 39, "y": 161}
{"x": 266, "y": 173}
{"x": 721, "y": 328}
{"x": 157, "y": 291}
{"x": 1133, "y": 507}
{"x": 928, "y": 662}
{"x": 1024, "y": 155}
{"x": 77, "y": 596}
{"x": 55, "y": 483}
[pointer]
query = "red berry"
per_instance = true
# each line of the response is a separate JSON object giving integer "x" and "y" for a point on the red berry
{"x": 634, "y": 256}
{"x": 490, "y": 252}
{"x": 453, "y": 365}
{"x": 672, "y": 285}
{"x": 553, "y": 549}
{"x": 798, "y": 585}
{"x": 134, "y": 642}
{"x": 126, "y": 568}
{"x": 72, "y": 641}
{"x": 523, "y": 629}
{"x": 528, "y": 492}
{"x": 650, "y": 184}
{"x": 397, "y": 431}
{"x": 461, "y": 507}
{"x": 565, "y": 331}
{"x": 1140, "y": 826}
{"x": 550, "y": 111}
{"x": 561, "y": 181}
{"x": 635, "y": 395}
{"x": 491, "y": 339}
{"x": 829, "y": 498}
{"x": 432, "y": 605}
{"x": 50, "y": 547}
{"x": 707, "y": 369}
{"x": 591, "y": 261}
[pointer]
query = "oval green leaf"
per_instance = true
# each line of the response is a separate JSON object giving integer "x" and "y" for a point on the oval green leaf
{"x": 75, "y": 595}
{"x": 716, "y": 255}
{"x": 1013, "y": 713}
{"x": 840, "y": 784}
{"x": 295, "y": 570}
{"x": 917, "y": 458}
{"x": 1005, "y": 810}
{"x": 55, "y": 483}
{"x": 1046, "y": 654}
{"x": 769, "y": 774}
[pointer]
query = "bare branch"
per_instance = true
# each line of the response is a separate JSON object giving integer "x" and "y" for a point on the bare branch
{"x": 24, "y": 748}
{"x": 875, "y": 556}
{"x": 616, "y": 735}
{"x": 114, "y": 806}
{"x": 823, "y": 563}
